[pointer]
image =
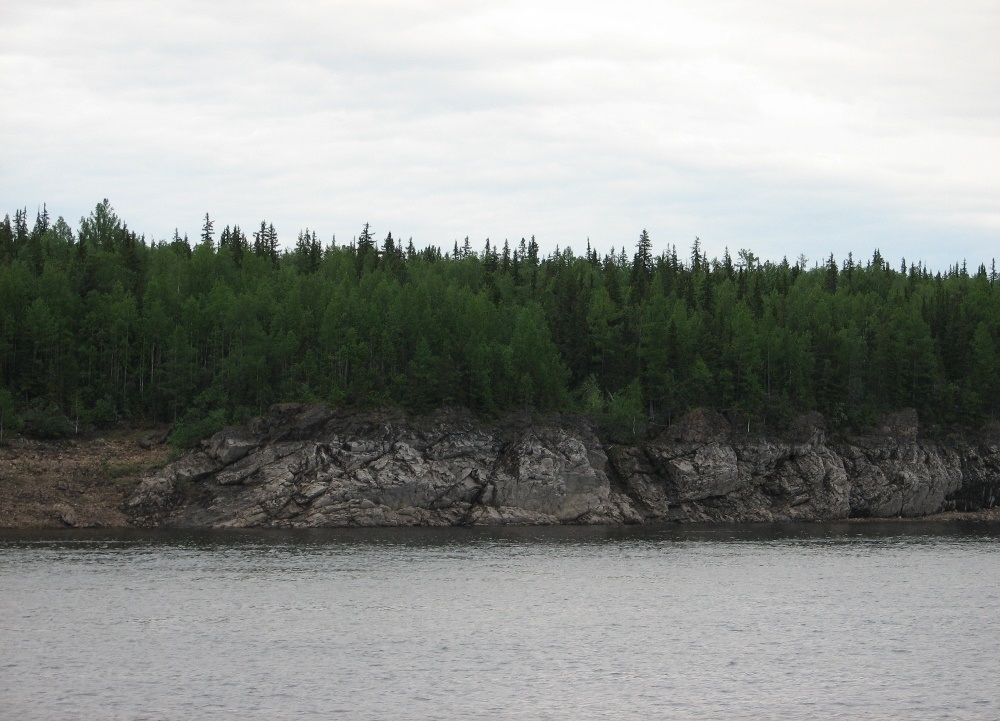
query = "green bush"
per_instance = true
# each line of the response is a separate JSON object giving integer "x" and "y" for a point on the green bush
{"x": 195, "y": 425}
{"x": 46, "y": 420}
{"x": 105, "y": 412}
{"x": 624, "y": 417}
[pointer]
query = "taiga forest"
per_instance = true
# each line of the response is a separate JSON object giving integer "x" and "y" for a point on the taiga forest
{"x": 97, "y": 325}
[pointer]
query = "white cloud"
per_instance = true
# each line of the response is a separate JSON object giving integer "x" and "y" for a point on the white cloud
{"x": 784, "y": 127}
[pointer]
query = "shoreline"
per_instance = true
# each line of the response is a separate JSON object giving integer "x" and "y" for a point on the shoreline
{"x": 83, "y": 482}
{"x": 989, "y": 515}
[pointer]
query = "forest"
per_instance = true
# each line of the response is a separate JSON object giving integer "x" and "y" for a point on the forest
{"x": 98, "y": 326}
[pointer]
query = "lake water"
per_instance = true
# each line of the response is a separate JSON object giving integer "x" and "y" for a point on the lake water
{"x": 818, "y": 621}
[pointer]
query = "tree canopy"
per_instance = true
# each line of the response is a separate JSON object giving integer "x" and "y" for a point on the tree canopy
{"x": 99, "y": 324}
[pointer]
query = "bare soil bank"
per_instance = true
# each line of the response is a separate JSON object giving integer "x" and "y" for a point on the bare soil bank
{"x": 80, "y": 482}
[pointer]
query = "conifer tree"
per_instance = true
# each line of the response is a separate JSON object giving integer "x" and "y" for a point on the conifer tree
{"x": 208, "y": 232}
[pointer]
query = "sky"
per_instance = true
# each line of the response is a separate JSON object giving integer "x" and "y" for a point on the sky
{"x": 788, "y": 127}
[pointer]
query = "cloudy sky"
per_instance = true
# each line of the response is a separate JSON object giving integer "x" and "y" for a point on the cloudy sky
{"x": 787, "y": 127}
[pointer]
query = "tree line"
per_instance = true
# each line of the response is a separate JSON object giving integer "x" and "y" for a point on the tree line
{"x": 98, "y": 325}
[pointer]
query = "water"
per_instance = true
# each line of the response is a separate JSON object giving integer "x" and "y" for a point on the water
{"x": 825, "y": 621}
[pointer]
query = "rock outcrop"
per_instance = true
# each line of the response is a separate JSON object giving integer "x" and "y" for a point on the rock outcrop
{"x": 311, "y": 466}
{"x": 305, "y": 466}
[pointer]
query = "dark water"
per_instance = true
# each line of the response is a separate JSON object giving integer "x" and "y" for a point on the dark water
{"x": 829, "y": 621}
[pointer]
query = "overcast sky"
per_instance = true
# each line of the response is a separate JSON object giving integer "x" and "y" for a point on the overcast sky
{"x": 786, "y": 127}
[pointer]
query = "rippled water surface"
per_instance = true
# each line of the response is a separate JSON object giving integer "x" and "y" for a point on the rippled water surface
{"x": 825, "y": 621}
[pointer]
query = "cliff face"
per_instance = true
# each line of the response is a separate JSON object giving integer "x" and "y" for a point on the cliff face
{"x": 309, "y": 466}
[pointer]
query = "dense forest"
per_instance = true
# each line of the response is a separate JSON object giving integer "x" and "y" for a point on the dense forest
{"x": 99, "y": 325}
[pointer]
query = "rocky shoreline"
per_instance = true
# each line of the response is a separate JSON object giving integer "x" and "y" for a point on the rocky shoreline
{"x": 304, "y": 466}
{"x": 312, "y": 466}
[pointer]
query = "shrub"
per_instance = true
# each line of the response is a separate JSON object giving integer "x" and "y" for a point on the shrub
{"x": 46, "y": 420}
{"x": 195, "y": 425}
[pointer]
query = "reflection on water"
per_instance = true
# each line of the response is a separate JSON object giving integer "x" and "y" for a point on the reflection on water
{"x": 853, "y": 620}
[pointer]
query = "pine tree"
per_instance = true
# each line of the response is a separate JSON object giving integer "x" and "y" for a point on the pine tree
{"x": 265, "y": 243}
{"x": 8, "y": 247}
{"x": 642, "y": 264}
{"x": 41, "y": 221}
{"x": 208, "y": 232}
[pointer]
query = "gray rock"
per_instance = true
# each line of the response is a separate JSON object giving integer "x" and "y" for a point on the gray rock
{"x": 231, "y": 444}
{"x": 162, "y": 490}
{"x": 549, "y": 472}
{"x": 908, "y": 479}
{"x": 66, "y": 514}
{"x": 307, "y": 466}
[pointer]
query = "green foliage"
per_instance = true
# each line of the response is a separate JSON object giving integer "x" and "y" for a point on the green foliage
{"x": 10, "y": 422}
{"x": 102, "y": 325}
{"x": 44, "y": 419}
{"x": 623, "y": 417}
{"x": 590, "y": 400}
{"x": 196, "y": 425}
{"x": 104, "y": 412}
